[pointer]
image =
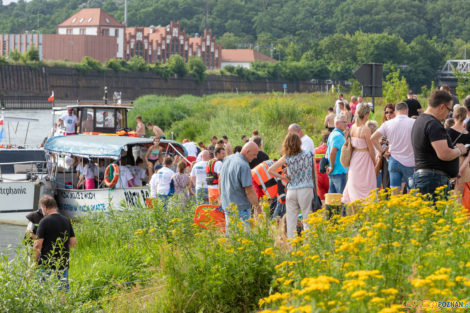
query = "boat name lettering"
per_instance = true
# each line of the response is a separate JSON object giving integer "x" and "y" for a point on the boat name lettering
{"x": 78, "y": 195}
{"x": 13, "y": 191}
{"x": 84, "y": 208}
{"x": 134, "y": 198}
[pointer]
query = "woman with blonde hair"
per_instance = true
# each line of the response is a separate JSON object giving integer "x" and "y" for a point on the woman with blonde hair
{"x": 361, "y": 172}
{"x": 301, "y": 180}
{"x": 459, "y": 134}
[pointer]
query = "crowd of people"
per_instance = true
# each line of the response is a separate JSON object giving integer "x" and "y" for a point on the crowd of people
{"x": 410, "y": 149}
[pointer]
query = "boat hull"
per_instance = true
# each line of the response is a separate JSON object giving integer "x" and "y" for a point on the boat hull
{"x": 17, "y": 199}
{"x": 75, "y": 202}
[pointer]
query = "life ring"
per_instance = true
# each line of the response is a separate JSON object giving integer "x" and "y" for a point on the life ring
{"x": 115, "y": 175}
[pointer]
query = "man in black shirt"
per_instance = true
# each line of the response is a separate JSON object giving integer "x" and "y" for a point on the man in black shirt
{"x": 414, "y": 107}
{"x": 55, "y": 238}
{"x": 262, "y": 156}
{"x": 436, "y": 160}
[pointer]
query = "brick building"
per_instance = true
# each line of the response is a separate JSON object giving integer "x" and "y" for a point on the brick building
{"x": 95, "y": 33}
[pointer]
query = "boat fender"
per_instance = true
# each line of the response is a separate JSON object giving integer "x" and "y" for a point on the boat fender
{"x": 111, "y": 175}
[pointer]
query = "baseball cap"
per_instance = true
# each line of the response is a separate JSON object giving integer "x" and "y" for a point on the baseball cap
{"x": 70, "y": 109}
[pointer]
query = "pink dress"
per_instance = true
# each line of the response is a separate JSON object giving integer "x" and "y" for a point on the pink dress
{"x": 361, "y": 172}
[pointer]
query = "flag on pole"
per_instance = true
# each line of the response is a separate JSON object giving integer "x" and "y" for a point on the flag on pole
{"x": 51, "y": 98}
{"x": 1, "y": 129}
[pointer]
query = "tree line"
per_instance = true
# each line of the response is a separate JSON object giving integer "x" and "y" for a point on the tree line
{"x": 334, "y": 37}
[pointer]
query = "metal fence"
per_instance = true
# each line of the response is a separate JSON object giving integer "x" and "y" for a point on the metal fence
{"x": 37, "y": 102}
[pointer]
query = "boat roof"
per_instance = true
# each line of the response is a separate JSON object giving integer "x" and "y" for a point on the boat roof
{"x": 97, "y": 146}
{"x": 94, "y": 105}
{"x": 19, "y": 119}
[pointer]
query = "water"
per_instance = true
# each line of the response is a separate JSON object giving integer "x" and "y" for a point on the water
{"x": 15, "y": 133}
{"x": 10, "y": 238}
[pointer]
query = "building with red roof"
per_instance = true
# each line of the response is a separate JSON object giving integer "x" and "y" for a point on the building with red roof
{"x": 243, "y": 57}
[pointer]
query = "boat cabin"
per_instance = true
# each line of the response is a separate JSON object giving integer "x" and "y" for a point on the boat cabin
{"x": 96, "y": 117}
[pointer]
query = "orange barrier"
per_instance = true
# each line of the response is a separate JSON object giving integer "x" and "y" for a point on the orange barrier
{"x": 213, "y": 194}
{"x": 466, "y": 197}
{"x": 210, "y": 216}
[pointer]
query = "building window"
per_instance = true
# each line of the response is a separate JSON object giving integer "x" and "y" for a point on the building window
{"x": 139, "y": 49}
{"x": 69, "y": 31}
{"x": 105, "y": 32}
{"x": 82, "y": 31}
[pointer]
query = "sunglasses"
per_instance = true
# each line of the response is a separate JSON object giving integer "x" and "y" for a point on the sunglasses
{"x": 389, "y": 112}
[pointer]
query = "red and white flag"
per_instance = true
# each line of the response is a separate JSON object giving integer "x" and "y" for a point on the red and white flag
{"x": 51, "y": 98}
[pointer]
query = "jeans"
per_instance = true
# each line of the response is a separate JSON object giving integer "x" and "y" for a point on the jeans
{"x": 62, "y": 276}
{"x": 337, "y": 183}
{"x": 164, "y": 199}
{"x": 399, "y": 173}
{"x": 243, "y": 215}
{"x": 428, "y": 182}
{"x": 280, "y": 210}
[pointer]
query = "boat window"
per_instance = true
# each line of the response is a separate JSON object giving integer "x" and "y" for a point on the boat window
{"x": 105, "y": 118}
{"x": 120, "y": 118}
{"x": 87, "y": 120}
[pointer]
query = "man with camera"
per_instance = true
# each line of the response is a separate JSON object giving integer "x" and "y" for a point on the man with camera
{"x": 436, "y": 160}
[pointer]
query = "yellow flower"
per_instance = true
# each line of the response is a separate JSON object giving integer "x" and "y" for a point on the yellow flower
{"x": 376, "y": 300}
{"x": 390, "y": 291}
{"x": 361, "y": 294}
{"x": 394, "y": 308}
{"x": 268, "y": 251}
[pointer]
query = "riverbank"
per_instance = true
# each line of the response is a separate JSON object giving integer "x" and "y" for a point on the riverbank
{"x": 10, "y": 238}
{"x": 393, "y": 251}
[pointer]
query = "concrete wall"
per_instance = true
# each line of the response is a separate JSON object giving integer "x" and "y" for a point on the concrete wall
{"x": 22, "y": 82}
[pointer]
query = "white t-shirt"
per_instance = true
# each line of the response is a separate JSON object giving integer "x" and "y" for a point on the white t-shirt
{"x": 80, "y": 168}
{"x": 338, "y": 110}
{"x": 139, "y": 175}
{"x": 90, "y": 171}
{"x": 69, "y": 122}
{"x": 199, "y": 171}
{"x": 124, "y": 177}
{"x": 160, "y": 182}
{"x": 398, "y": 132}
{"x": 217, "y": 168}
{"x": 191, "y": 148}
{"x": 307, "y": 144}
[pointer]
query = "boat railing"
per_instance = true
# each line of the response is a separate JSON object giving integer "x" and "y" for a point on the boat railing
{"x": 23, "y": 170}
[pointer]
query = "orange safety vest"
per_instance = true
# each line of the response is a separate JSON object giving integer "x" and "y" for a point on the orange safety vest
{"x": 261, "y": 177}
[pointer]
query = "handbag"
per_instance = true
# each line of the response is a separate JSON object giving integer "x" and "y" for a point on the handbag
{"x": 346, "y": 152}
{"x": 323, "y": 165}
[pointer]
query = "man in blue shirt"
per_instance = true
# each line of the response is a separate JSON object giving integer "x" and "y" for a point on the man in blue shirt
{"x": 336, "y": 171}
{"x": 236, "y": 184}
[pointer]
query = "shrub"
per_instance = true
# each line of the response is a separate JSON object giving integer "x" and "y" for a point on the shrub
{"x": 177, "y": 65}
{"x": 197, "y": 68}
{"x": 162, "y": 70}
{"x": 138, "y": 64}
{"x": 89, "y": 63}
{"x": 116, "y": 65}
{"x": 32, "y": 55}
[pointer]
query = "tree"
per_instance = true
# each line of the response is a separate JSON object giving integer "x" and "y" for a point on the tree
{"x": 176, "y": 65}
{"x": 197, "y": 68}
{"x": 394, "y": 88}
{"x": 228, "y": 41}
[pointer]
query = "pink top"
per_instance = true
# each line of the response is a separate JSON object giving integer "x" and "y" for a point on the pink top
{"x": 398, "y": 132}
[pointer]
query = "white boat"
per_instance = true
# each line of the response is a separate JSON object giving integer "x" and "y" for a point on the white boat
{"x": 73, "y": 202}
{"x": 20, "y": 191}
{"x": 21, "y": 172}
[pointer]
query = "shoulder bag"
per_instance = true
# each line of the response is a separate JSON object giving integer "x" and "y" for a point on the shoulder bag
{"x": 346, "y": 152}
